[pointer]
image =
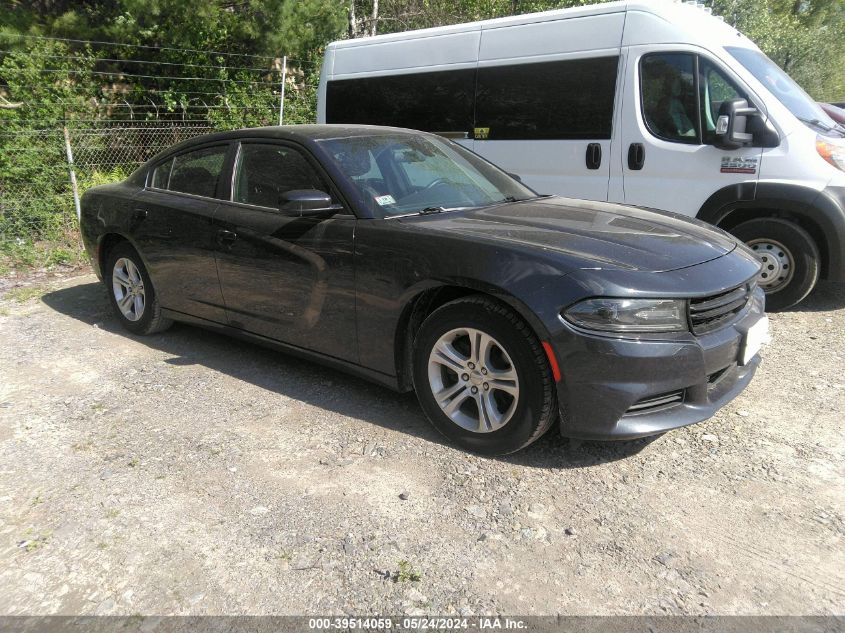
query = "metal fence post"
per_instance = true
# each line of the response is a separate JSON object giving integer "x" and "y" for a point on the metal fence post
{"x": 69, "y": 153}
{"x": 282, "y": 97}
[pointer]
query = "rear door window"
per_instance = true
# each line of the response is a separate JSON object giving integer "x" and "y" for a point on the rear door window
{"x": 197, "y": 172}
{"x": 161, "y": 175}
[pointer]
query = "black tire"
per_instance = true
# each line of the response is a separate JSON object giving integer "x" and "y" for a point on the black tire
{"x": 151, "y": 320}
{"x": 800, "y": 250}
{"x": 535, "y": 408}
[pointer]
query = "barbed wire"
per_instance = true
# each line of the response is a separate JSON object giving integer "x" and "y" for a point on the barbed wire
{"x": 109, "y": 134}
{"x": 150, "y": 47}
{"x": 118, "y": 73}
{"x": 78, "y": 58}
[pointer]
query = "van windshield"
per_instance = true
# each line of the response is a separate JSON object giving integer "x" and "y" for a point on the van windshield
{"x": 784, "y": 88}
{"x": 397, "y": 174}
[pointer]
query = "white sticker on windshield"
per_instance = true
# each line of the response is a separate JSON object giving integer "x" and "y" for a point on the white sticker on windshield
{"x": 383, "y": 200}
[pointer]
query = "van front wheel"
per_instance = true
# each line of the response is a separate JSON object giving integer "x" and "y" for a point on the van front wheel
{"x": 789, "y": 256}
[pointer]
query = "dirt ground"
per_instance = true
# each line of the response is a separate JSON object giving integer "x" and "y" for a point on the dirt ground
{"x": 187, "y": 473}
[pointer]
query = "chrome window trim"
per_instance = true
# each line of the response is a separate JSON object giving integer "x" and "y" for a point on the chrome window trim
{"x": 183, "y": 194}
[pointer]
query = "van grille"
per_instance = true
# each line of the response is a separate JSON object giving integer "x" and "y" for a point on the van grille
{"x": 710, "y": 313}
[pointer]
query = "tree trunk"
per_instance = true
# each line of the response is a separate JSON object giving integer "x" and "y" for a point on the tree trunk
{"x": 353, "y": 22}
{"x": 374, "y": 23}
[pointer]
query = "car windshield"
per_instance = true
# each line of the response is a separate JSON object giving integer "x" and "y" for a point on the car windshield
{"x": 783, "y": 87}
{"x": 397, "y": 174}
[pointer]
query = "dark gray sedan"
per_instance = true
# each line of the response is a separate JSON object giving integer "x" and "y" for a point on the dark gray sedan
{"x": 404, "y": 258}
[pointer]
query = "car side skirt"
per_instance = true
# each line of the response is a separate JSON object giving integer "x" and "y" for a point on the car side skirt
{"x": 385, "y": 380}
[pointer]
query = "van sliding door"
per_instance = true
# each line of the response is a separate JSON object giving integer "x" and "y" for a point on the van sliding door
{"x": 545, "y": 97}
{"x": 549, "y": 122}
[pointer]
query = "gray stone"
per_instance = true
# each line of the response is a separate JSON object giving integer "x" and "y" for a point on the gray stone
{"x": 476, "y": 511}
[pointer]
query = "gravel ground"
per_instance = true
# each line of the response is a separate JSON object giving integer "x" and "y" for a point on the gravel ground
{"x": 188, "y": 473}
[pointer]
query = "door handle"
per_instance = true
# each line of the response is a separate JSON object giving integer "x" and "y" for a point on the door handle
{"x": 226, "y": 238}
{"x": 139, "y": 214}
{"x": 593, "y": 155}
{"x": 636, "y": 156}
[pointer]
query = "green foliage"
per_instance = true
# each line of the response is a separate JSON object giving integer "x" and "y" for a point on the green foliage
{"x": 215, "y": 64}
{"x": 806, "y": 38}
{"x": 406, "y": 573}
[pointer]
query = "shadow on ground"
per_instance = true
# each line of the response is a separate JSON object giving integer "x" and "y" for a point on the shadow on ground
{"x": 307, "y": 381}
{"x": 828, "y": 295}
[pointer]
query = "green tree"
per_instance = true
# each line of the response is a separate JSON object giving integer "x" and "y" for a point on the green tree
{"x": 804, "y": 37}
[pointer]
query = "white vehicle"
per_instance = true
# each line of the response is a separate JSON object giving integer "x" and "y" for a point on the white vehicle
{"x": 657, "y": 104}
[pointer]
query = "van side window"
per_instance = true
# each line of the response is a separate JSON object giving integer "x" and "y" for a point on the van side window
{"x": 440, "y": 101}
{"x": 670, "y": 105}
{"x": 569, "y": 99}
{"x": 715, "y": 89}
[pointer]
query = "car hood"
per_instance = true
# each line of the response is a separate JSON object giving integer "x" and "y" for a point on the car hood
{"x": 592, "y": 235}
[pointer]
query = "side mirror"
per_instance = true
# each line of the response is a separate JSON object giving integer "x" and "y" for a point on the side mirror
{"x": 306, "y": 202}
{"x": 732, "y": 124}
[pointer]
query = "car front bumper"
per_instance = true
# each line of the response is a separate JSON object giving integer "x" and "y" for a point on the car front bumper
{"x": 618, "y": 388}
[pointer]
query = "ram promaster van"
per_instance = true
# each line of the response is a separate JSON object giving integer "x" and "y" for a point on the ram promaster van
{"x": 655, "y": 104}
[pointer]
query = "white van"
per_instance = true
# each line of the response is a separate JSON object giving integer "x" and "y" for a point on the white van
{"x": 657, "y": 104}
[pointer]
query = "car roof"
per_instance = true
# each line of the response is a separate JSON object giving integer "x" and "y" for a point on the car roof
{"x": 300, "y": 133}
{"x": 303, "y": 134}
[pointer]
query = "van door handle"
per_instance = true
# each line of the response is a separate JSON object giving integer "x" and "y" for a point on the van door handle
{"x": 593, "y": 155}
{"x": 226, "y": 238}
{"x": 636, "y": 156}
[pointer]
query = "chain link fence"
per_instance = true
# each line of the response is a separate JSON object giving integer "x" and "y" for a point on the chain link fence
{"x": 36, "y": 189}
{"x": 103, "y": 138}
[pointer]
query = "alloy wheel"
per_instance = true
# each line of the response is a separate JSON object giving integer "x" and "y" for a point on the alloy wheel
{"x": 128, "y": 288}
{"x": 473, "y": 380}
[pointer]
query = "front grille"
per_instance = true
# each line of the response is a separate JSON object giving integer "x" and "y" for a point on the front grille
{"x": 710, "y": 313}
{"x": 654, "y": 403}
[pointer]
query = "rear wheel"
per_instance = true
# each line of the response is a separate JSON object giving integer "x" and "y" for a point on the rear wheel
{"x": 789, "y": 256}
{"x": 131, "y": 292}
{"x": 482, "y": 377}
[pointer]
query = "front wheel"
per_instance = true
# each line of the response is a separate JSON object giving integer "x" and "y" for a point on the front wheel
{"x": 482, "y": 377}
{"x": 789, "y": 256}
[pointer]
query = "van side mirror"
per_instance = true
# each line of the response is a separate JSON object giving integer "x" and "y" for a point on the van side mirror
{"x": 732, "y": 123}
{"x": 739, "y": 125}
{"x": 306, "y": 202}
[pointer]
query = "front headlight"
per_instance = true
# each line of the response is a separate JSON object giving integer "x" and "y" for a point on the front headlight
{"x": 832, "y": 150}
{"x": 629, "y": 315}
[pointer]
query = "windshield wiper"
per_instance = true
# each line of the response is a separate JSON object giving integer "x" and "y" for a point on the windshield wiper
{"x": 816, "y": 123}
{"x": 510, "y": 199}
{"x": 426, "y": 211}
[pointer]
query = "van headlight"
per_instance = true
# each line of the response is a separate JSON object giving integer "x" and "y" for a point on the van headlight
{"x": 629, "y": 315}
{"x": 832, "y": 150}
